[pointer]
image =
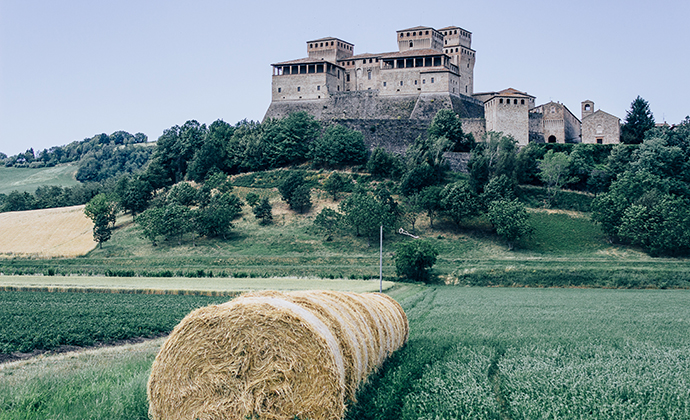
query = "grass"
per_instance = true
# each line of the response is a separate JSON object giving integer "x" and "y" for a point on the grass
{"x": 489, "y": 353}
{"x": 59, "y": 232}
{"x": 537, "y": 353}
{"x": 28, "y": 179}
{"x": 180, "y": 285}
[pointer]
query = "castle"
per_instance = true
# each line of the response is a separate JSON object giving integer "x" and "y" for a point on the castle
{"x": 391, "y": 97}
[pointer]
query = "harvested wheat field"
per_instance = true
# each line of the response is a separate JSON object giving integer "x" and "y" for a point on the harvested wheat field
{"x": 274, "y": 355}
{"x": 60, "y": 232}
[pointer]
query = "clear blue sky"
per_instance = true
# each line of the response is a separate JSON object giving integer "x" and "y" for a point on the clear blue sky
{"x": 70, "y": 69}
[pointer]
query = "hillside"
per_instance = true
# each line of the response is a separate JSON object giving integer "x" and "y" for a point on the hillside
{"x": 50, "y": 233}
{"x": 28, "y": 179}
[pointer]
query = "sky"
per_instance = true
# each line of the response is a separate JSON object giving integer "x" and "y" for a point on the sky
{"x": 71, "y": 69}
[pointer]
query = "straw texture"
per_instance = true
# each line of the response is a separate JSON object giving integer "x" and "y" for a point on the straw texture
{"x": 273, "y": 355}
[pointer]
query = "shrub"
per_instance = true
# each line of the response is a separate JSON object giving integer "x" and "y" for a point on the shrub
{"x": 414, "y": 260}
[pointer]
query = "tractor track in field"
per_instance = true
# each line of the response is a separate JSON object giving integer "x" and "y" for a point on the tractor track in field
{"x": 497, "y": 384}
{"x": 19, "y": 356}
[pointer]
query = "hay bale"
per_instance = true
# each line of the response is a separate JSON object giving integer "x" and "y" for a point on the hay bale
{"x": 274, "y": 355}
{"x": 252, "y": 356}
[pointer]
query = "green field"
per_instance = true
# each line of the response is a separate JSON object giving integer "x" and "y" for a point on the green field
{"x": 28, "y": 179}
{"x": 567, "y": 249}
{"x": 485, "y": 353}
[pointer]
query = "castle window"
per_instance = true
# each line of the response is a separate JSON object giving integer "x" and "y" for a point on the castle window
{"x": 311, "y": 45}
{"x": 279, "y": 90}
{"x": 600, "y": 141}
{"x": 514, "y": 101}
{"x": 587, "y": 107}
{"x": 299, "y": 88}
{"x": 407, "y": 34}
{"x": 401, "y": 83}
{"x": 432, "y": 80}
{"x": 322, "y": 44}
{"x": 347, "y": 78}
{"x": 423, "y": 81}
{"x": 401, "y": 35}
{"x": 414, "y": 33}
{"x": 318, "y": 87}
{"x": 456, "y": 50}
{"x": 522, "y": 101}
{"x": 500, "y": 101}
{"x": 415, "y": 82}
{"x": 455, "y": 31}
{"x": 410, "y": 44}
{"x": 331, "y": 43}
{"x": 338, "y": 88}
{"x": 369, "y": 75}
{"x": 426, "y": 33}
{"x": 384, "y": 84}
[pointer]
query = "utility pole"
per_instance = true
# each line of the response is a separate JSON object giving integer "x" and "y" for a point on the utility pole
{"x": 381, "y": 260}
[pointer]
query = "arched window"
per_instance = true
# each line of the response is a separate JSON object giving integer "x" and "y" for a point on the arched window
{"x": 411, "y": 44}
{"x": 552, "y": 139}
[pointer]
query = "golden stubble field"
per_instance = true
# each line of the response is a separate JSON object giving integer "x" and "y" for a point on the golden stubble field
{"x": 60, "y": 232}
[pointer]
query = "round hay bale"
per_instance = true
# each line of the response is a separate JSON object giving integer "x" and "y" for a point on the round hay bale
{"x": 401, "y": 327}
{"x": 366, "y": 323}
{"x": 253, "y": 356}
{"x": 380, "y": 326}
{"x": 352, "y": 342}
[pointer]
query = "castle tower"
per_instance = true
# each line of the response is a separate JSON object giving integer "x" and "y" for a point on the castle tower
{"x": 419, "y": 38}
{"x": 457, "y": 44}
{"x": 330, "y": 49}
{"x": 587, "y": 109}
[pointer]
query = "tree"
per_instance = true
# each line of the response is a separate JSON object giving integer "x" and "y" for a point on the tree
{"x": 414, "y": 260}
{"x": 183, "y": 194}
{"x": 212, "y": 155}
{"x": 102, "y": 211}
{"x": 263, "y": 211}
{"x": 328, "y": 220}
{"x": 295, "y": 191}
{"x": 215, "y": 219}
{"x": 365, "y": 213}
{"x": 553, "y": 171}
{"x": 459, "y": 201}
{"x": 446, "y": 123}
{"x": 334, "y": 184}
{"x": 418, "y": 178}
{"x": 638, "y": 120}
{"x": 150, "y": 223}
{"x": 339, "y": 146}
{"x": 382, "y": 164}
{"x": 510, "y": 219}
{"x": 136, "y": 196}
{"x": 498, "y": 188}
{"x": 288, "y": 140}
{"x": 495, "y": 156}
{"x": 430, "y": 201}
{"x": 252, "y": 199}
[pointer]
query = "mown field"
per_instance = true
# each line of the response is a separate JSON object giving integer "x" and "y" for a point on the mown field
{"x": 485, "y": 353}
{"x": 28, "y": 179}
{"x": 58, "y": 232}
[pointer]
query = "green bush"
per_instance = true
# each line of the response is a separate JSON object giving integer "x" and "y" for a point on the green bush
{"x": 414, "y": 260}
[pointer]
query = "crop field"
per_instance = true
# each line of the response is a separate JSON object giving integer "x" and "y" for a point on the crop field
{"x": 28, "y": 179}
{"x": 44, "y": 320}
{"x": 59, "y": 232}
{"x": 485, "y": 353}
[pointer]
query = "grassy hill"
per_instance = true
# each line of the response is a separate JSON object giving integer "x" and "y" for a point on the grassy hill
{"x": 28, "y": 179}
{"x": 567, "y": 249}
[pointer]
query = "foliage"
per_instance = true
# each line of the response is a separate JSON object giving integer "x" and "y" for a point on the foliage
{"x": 638, "y": 120}
{"x": 102, "y": 210}
{"x": 498, "y": 188}
{"x": 334, "y": 184}
{"x": 136, "y": 196}
{"x": 183, "y": 194}
{"x": 510, "y": 219}
{"x": 418, "y": 178}
{"x": 414, "y": 260}
{"x": 460, "y": 202}
{"x": 339, "y": 146}
{"x": 252, "y": 199}
{"x": 296, "y": 192}
{"x": 494, "y": 156}
{"x": 526, "y": 168}
{"x": 175, "y": 149}
{"x": 328, "y": 220}
{"x": 212, "y": 156}
{"x": 446, "y": 123}
{"x": 263, "y": 211}
{"x": 382, "y": 164}
{"x": 365, "y": 213}
{"x": 43, "y": 320}
{"x": 430, "y": 202}
{"x": 553, "y": 171}
{"x": 215, "y": 218}
{"x": 429, "y": 151}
